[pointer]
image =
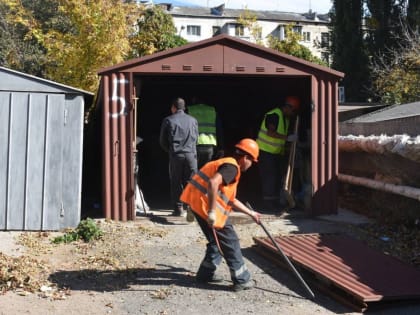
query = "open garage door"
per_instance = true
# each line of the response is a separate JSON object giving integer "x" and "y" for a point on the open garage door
{"x": 241, "y": 104}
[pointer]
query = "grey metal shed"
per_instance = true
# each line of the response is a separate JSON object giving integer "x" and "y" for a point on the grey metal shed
{"x": 242, "y": 80}
{"x": 41, "y": 158}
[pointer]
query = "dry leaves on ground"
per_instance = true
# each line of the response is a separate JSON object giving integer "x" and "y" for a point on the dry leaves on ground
{"x": 117, "y": 250}
{"x": 22, "y": 273}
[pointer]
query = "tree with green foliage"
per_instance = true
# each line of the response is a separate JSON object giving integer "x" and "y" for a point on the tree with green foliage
{"x": 396, "y": 77}
{"x": 99, "y": 38}
{"x": 290, "y": 45}
{"x": 248, "y": 20}
{"x": 392, "y": 39}
{"x": 348, "y": 50}
{"x": 384, "y": 20}
{"x": 156, "y": 32}
{"x": 68, "y": 41}
{"x": 5, "y": 36}
{"x": 18, "y": 49}
{"x": 77, "y": 37}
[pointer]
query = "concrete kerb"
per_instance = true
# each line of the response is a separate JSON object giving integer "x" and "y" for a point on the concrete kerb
{"x": 346, "y": 216}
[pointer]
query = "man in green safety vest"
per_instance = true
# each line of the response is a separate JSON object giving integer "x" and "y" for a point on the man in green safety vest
{"x": 271, "y": 140}
{"x": 209, "y": 131}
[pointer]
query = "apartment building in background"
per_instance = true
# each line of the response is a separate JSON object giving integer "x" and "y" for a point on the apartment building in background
{"x": 198, "y": 23}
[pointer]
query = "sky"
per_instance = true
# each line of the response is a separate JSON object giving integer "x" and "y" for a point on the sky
{"x": 297, "y": 6}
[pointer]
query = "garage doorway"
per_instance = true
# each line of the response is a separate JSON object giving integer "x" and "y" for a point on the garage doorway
{"x": 241, "y": 103}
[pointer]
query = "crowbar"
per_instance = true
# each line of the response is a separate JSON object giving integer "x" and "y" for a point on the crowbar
{"x": 296, "y": 273}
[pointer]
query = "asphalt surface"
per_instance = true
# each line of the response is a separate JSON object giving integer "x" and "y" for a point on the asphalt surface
{"x": 165, "y": 282}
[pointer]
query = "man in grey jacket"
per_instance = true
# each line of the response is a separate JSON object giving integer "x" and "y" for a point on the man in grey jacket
{"x": 178, "y": 137}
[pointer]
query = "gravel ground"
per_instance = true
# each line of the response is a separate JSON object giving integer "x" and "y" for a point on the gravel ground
{"x": 148, "y": 267}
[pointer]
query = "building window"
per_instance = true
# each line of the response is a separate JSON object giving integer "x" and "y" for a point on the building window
{"x": 297, "y": 29}
{"x": 194, "y": 30}
{"x": 216, "y": 30}
{"x": 325, "y": 40}
{"x": 239, "y": 30}
{"x": 306, "y": 36}
{"x": 325, "y": 57}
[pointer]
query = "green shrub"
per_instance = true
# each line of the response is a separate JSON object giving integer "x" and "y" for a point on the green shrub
{"x": 87, "y": 230}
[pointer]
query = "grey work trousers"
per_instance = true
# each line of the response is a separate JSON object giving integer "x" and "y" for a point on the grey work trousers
{"x": 182, "y": 167}
{"x": 231, "y": 249}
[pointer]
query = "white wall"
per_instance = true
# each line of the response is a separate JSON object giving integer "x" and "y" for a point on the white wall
{"x": 227, "y": 26}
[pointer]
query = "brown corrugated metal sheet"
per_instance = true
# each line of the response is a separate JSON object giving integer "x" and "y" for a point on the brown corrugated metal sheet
{"x": 231, "y": 60}
{"x": 324, "y": 145}
{"x": 368, "y": 276}
{"x": 118, "y": 185}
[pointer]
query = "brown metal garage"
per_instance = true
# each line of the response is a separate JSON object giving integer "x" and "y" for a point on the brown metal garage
{"x": 242, "y": 80}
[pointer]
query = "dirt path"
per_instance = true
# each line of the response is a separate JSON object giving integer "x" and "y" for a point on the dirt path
{"x": 148, "y": 267}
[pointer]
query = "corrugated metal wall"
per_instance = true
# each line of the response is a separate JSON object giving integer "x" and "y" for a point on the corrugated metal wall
{"x": 324, "y": 145}
{"x": 41, "y": 160}
{"x": 118, "y": 175}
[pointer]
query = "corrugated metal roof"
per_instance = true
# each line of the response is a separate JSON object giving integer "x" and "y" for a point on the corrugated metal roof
{"x": 261, "y": 15}
{"x": 220, "y": 40}
{"x": 389, "y": 113}
{"x": 367, "y": 275}
{"x": 8, "y": 84}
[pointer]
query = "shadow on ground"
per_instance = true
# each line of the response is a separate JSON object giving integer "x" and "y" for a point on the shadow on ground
{"x": 108, "y": 281}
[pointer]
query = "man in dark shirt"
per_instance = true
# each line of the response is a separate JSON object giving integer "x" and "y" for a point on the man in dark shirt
{"x": 178, "y": 137}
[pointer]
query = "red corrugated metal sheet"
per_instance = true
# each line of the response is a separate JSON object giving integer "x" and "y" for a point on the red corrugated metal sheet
{"x": 351, "y": 266}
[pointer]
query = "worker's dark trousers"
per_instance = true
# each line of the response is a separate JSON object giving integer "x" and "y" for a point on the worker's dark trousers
{"x": 205, "y": 154}
{"x": 229, "y": 244}
{"x": 272, "y": 168}
{"x": 182, "y": 167}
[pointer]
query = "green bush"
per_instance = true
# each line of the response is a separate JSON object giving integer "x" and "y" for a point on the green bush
{"x": 87, "y": 230}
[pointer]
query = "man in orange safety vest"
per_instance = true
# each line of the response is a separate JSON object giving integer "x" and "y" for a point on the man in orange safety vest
{"x": 211, "y": 195}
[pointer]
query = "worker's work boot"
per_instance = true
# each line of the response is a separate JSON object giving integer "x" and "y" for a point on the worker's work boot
{"x": 190, "y": 215}
{"x": 214, "y": 279}
{"x": 179, "y": 212}
{"x": 243, "y": 286}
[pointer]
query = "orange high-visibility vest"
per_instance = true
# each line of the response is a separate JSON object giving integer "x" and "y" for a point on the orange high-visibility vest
{"x": 195, "y": 193}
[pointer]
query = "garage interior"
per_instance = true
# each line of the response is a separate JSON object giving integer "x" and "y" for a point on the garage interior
{"x": 240, "y": 101}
